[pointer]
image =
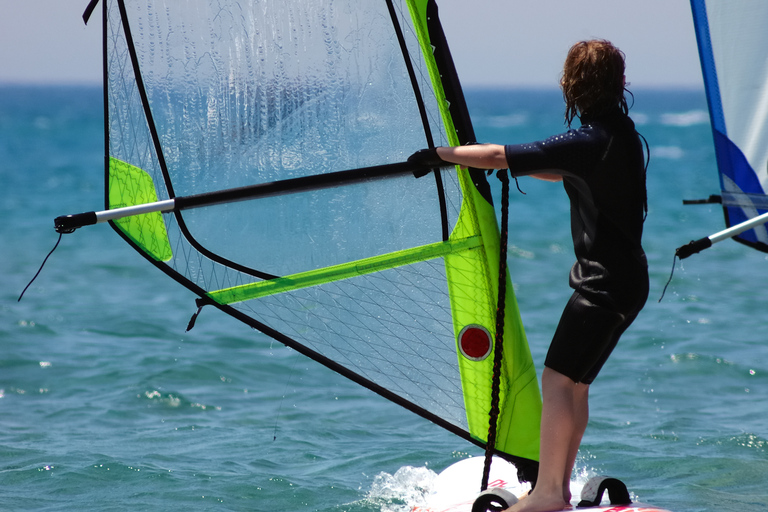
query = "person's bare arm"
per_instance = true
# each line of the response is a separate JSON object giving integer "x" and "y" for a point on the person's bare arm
{"x": 485, "y": 156}
{"x": 478, "y": 156}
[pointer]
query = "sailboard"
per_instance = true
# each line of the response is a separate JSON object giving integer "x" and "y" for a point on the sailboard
{"x": 453, "y": 491}
{"x": 732, "y": 39}
{"x": 256, "y": 153}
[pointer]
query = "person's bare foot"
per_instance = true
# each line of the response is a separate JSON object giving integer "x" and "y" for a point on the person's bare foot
{"x": 534, "y": 502}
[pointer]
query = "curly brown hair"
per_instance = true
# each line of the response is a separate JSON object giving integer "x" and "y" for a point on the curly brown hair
{"x": 593, "y": 79}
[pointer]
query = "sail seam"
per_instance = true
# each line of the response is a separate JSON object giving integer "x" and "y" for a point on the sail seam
{"x": 344, "y": 271}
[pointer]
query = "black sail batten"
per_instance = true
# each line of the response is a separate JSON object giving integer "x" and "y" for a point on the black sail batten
{"x": 423, "y": 113}
{"x": 144, "y": 98}
{"x": 89, "y": 10}
{"x": 411, "y": 73}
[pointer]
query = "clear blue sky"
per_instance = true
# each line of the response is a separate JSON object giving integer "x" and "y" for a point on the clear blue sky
{"x": 494, "y": 42}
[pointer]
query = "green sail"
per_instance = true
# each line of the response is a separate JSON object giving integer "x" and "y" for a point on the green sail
{"x": 374, "y": 280}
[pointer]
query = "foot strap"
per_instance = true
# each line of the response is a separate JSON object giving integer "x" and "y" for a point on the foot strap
{"x": 592, "y": 493}
{"x": 494, "y": 499}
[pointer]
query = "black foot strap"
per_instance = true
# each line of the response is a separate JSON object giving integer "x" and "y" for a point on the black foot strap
{"x": 592, "y": 493}
{"x": 494, "y": 499}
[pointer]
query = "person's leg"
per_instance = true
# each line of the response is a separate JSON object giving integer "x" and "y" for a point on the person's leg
{"x": 581, "y": 418}
{"x": 582, "y": 342}
{"x": 559, "y": 424}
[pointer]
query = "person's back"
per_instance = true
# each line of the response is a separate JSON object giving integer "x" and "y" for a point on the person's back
{"x": 607, "y": 193}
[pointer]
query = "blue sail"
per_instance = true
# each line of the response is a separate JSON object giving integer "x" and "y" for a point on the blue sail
{"x": 732, "y": 43}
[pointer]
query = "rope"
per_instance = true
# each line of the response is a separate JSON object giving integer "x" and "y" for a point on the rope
{"x": 40, "y": 269}
{"x": 498, "y": 348}
{"x": 674, "y": 260}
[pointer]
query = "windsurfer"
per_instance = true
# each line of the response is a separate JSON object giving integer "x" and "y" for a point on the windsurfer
{"x": 601, "y": 167}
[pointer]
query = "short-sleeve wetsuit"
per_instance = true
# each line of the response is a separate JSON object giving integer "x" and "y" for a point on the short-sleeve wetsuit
{"x": 603, "y": 173}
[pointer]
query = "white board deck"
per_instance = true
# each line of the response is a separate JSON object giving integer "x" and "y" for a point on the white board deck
{"x": 456, "y": 488}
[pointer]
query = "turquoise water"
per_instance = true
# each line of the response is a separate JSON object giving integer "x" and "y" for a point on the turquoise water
{"x": 106, "y": 403}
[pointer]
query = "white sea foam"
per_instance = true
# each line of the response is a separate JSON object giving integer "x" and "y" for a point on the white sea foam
{"x": 507, "y": 121}
{"x": 690, "y": 118}
{"x": 639, "y": 118}
{"x": 407, "y": 489}
{"x": 668, "y": 152}
{"x": 419, "y": 489}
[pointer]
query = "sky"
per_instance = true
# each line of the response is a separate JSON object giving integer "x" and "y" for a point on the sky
{"x": 494, "y": 42}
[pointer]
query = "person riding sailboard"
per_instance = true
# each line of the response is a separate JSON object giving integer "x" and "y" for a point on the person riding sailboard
{"x": 602, "y": 168}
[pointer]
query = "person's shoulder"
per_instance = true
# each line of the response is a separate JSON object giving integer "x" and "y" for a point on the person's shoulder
{"x": 591, "y": 131}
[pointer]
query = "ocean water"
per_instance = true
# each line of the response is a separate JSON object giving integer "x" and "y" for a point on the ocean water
{"x": 107, "y": 404}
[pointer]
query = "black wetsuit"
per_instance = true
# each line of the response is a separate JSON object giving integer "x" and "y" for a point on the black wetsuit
{"x": 603, "y": 173}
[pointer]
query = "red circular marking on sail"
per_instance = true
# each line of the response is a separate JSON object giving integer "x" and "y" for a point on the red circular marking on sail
{"x": 475, "y": 342}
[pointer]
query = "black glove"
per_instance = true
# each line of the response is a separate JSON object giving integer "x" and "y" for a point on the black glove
{"x": 427, "y": 158}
